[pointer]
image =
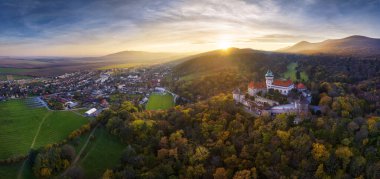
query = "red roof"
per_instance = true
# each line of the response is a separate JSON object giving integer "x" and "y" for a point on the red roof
{"x": 285, "y": 83}
{"x": 257, "y": 85}
{"x": 301, "y": 86}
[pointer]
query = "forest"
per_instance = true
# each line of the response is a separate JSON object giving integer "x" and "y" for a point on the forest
{"x": 212, "y": 137}
{"x": 216, "y": 139}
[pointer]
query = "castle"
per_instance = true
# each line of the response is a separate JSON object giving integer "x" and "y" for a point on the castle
{"x": 283, "y": 86}
{"x": 258, "y": 103}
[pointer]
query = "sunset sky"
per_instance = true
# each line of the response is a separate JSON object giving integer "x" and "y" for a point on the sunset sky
{"x": 100, "y": 27}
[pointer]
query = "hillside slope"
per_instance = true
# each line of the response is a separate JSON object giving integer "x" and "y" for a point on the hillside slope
{"x": 353, "y": 46}
{"x": 138, "y": 57}
{"x": 220, "y": 60}
{"x": 220, "y": 71}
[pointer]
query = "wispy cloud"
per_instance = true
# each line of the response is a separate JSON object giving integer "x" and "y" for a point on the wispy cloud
{"x": 97, "y": 27}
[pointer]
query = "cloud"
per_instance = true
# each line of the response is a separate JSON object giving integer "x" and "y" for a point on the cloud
{"x": 99, "y": 27}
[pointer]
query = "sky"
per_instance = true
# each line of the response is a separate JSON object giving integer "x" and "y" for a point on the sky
{"x": 98, "y": 27}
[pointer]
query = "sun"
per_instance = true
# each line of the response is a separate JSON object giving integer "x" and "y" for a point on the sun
{"x": 224, "y": 45}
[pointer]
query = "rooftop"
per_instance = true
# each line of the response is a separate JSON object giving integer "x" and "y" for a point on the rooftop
{"x": 284, "y": 83}
{"x": 269, "y": 74}
{"x": 257, "y": 85}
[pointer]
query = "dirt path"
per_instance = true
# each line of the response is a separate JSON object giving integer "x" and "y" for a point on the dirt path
{"x": 81, "y": 150}
{"x": 19, "y": 175}
{"x": 39, "y": 128}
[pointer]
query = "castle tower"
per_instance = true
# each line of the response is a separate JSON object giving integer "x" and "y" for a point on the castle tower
{"x": 269, "y": 79}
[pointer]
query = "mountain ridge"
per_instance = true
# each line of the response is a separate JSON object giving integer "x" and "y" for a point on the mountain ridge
{"x": 356, "y": 45}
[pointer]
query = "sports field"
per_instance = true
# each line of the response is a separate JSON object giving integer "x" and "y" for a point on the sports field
{"x": 160, "y": 101}
{"x": 291, "y": 73}
{"x": 25, "y": 125}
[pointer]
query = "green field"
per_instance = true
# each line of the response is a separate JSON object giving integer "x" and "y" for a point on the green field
{"x": 14, "y": 77}
{"x": 24, "y": 127}
{"x": 291, "y": 73}
{"x": 14, "y": 73}
{"x": 160, "y": 101}
{"x": 103, "y": 146}
{"x": 11, "y": 171}
{"x": 15, "y": 70}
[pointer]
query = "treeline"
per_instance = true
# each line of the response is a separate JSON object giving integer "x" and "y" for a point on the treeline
{"x": 215, "y": 139}
{"x": 209, "y": 75}
{"x": 205, "y": 76}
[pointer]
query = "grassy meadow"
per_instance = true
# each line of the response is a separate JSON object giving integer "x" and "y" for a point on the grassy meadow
{"x": 103, "y": 146}
{"x": 291, "y": 73}
{"x": 160, "y": 101}
{"x": 24, "y": 127}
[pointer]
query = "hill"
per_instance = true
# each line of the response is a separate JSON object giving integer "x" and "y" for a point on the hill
{"x": 219, "y": 60}
{"x": 139, "y": 57}
{"x": 359, "y": 46}
{"x": 220, "y": 71}
{"x": 210, "y": 73}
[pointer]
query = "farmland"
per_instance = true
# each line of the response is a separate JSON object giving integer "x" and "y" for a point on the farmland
{"x": 25, "y": 126}
{"x": 15, "y": 70}
{"x": 14, "y": 73}
{"x": 160, "y": 101}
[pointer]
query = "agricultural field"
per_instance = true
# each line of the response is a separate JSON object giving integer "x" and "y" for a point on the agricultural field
{"x": 14, "y": 77}
{"x": 292, "y": 73}
{"x": 103, "y": 146}
{"x": 160, "y": 101}
{"x": 15, "y": 70}
{"x": 25, "y": 125}
{"x": 14, "y": 73}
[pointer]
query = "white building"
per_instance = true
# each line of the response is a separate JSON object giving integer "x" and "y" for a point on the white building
{"x": 91, "y": 112}
{"x": 283, "y": 86}
{"x": 258, "y": 103}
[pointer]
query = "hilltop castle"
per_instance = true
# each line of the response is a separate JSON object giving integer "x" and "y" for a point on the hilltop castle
{"x": 283, "y": 86}
{"x": 258, "y": 103}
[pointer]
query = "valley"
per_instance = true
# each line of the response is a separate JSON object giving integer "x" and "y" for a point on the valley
{"x": 189, "y": 89}
{"x": 182, "y": 117}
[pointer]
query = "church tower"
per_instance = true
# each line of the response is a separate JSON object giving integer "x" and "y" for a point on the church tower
{"x": 269, "y": 79}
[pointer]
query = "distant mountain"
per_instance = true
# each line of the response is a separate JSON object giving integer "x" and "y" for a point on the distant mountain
{"x": 353, "y": 46}
{"x": 139, "y": 57}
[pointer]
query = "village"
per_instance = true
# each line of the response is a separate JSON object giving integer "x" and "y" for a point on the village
{"x": 90, "y": 90}
{"x": 274, "y": 96}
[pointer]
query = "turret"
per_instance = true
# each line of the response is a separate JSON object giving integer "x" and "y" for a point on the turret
{"x": 269, "y": 78}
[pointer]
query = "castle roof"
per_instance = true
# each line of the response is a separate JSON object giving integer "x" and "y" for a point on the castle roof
{"x": 301, "y": 86}
{"x": 284, "y": 83}
{"x": 269, "y": 74}
{"x": 257, "y": 85}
